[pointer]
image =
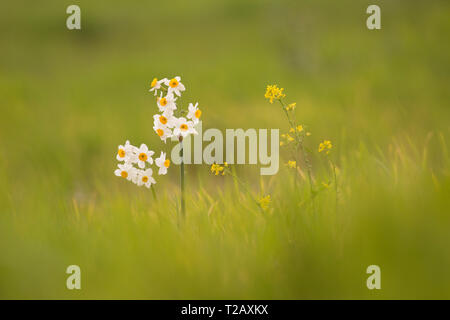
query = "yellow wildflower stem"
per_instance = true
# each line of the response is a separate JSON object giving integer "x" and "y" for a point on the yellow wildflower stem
{"x": 236, "y": 179}
{"x": 300, "y": 143}
{"x": 335, "y": 182}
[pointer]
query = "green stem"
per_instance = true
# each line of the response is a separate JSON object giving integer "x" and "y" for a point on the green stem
{"x": 299, "y": 142}
{"x": 335, "y": 183}
{"x": 154, "y": 193}
{"x": 183, "y": 205}
{"x": 245, "y": 187}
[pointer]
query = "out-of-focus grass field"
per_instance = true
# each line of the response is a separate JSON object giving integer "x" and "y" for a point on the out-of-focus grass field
{"x": 68, "y": 98}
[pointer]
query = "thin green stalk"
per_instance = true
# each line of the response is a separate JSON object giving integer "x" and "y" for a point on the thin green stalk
{"x": 183, "y": 205}
{"x": 300, "y": 142}
{"x": 335, "y": 183}
{"x": 239, "y": 181}
{"x": 154, "y": 193}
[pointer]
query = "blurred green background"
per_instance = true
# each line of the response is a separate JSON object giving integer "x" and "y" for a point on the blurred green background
{"x": 68, "y": 98}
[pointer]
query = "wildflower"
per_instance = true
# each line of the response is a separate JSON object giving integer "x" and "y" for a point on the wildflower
{"x": 162, "y": 131}
{"x": 292, "y": 130}
{"x": 325, "y": 146}
{"x": 217, "y": 169}
{"x": 167, "y": 104}
{"x": 289, "y": 138}
{"x": 163, "y": 120}
{"x": 264, "y": 202}
{"x": 281, "y": 143}
{"x": 144, "y": 155}
{"x": 156, "y": 85}
{"x": 273, "y": 92}
{"x": 291, "y": 106}
{"x": 162, "y": 163}
{"x": 175, "y": 86}
{"x": 183, "y": 127}
{"x": 145, "y": 177}
{"x": 194, "y": 113}
{"x": 299, "y": 128}
{"x": 292, "y": 164}
{"x": 126, "y": 171}
{"x": 308, "y": 134}
{"x": 125, "y": 152}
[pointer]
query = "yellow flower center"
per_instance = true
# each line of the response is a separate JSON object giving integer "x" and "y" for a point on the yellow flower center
{"x": 173, "y": 83}
{"x": 154, "y": 82}
{"x": 124, "y": 174}
{"x": 144, "y": 179}
{"x": 184, "y": 127}
{"x": 160, "y": 132}
{"x": 143, "y": 157}
{"x": 121, "y": 153}
{"x": 167, "y": 163}
{"x": 198, "y": 113}
{"x": 163, "y": 101}
{"x": 163, "y": 119}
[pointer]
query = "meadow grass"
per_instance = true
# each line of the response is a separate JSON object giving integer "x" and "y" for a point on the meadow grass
{"x": 68, "y": 100}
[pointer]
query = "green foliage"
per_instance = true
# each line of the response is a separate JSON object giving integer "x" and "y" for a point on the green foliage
{"x": 69, "y": 98}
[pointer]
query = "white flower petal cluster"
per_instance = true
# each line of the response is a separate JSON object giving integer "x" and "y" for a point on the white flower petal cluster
{"x": 166, "y": 124}
{"x": 140, "y": 174}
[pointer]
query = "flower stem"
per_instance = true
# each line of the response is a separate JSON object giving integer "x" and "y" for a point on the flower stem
{"x": 302, "y": 148}
{"x": 183, "y": 205}
{"x": 335, "y": 183}
{"x": 154, "y": 193}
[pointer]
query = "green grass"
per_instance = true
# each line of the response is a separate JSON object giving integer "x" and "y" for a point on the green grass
{"x": 69, "y": 98}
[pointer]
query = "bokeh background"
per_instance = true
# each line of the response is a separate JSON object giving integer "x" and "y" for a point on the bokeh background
{"x": 68, "y": 98}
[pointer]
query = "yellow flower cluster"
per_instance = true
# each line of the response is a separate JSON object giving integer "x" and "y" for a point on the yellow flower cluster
{"x": 291, "y": 164}
{"x": 273, "y": 92}
{"x": 264, "y": 202}
{"x": 218, "y": 169}
{"x": 325, "y": 146}
{"x": 291, "y": 106}
{"x": 299, "y": 128}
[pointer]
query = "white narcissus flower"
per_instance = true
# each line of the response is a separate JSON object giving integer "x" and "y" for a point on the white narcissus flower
{"x": 144, "y": 155}
{"x": 126, "y": 171}
{"x": 163, "y": 120}
{"x": 175, "y": 86}
{"x": 167, "y": 104}
{"x": 162, "y": 131}
{"x": 126, "y": 152}
{"x": 162, "y": 163}
{"x": 194, "y": 113}
{"x": 156, "y": 84}
{"x": 183, "y": 127}
{"x": 145, "y": 177}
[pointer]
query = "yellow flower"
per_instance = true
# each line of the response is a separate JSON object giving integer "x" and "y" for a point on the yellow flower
{"x": 291, "y": 106}
{"x": 325, "y": 185}
{"x": 308, "y": 134}
{"x": 292, "y": 130}
{"x": 218, "y": 169}
{"x": 273, "y": 92}
{"x": 325, "y": 146}
{"x": 264, "y": 202}
{"x": 289, "y": 138}
{"x": 299, "y": 128}
{"x": 281, "y": 143}
{"x": 292, "y": 164}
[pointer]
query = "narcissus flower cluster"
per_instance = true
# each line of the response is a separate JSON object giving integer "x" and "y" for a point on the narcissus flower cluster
{"x": 135, "y": 164}
{"x": 171, "y": 121}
